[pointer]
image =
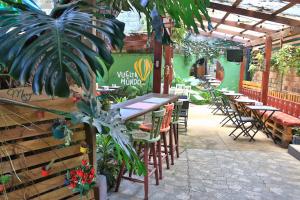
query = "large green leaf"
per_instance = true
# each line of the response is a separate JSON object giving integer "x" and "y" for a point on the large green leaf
{"x": 33, "y": 44}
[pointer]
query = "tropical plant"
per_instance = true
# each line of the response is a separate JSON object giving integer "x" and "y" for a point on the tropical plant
{"x": 187, "y": 13}
{"x": 109, "y": 122}
{"x": 107, "y": 159}
{"x": 48, "y": 49}
{"x": 286, "y": 58}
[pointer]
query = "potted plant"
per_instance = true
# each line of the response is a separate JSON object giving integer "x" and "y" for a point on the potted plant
{"x": 296, "y": 135}
{"x": 82, "y": 179}
{"x": 4, "y": 180}
{"x": 106, "y": 163}
{"x": 84, "y": 148}
{"x": 61, "y": 130}
{"x": 45, "y": 169}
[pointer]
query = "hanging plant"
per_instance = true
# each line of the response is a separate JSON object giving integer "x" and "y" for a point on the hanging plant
{"x": 5, "y": 179}
{"x": 257, "y": 62}
{"x": 45, "y": 169}
{"x": 286, "y": 58}
{"x": 60, "y": 130}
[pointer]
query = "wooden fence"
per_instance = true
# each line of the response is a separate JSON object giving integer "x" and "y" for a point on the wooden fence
{"x": 27, "y": 145}
{"x": 287, "y": 103}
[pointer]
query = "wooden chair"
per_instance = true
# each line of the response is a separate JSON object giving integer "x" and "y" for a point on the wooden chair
{"x": 174, "y": 133}
{"x": 148, "y": 142}
{"x": 165, "y": 128}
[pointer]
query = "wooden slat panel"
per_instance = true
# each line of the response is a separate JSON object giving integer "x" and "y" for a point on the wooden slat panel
{"x": 36, "y": 144}
{"x": 27, "y": 192}
{"x": 23, "y": 94}
{"x": 56, "y": 194}
{"x": 35, "y": 174}
{"x": 37, "y": 159}
{"x": 21, "y": 132}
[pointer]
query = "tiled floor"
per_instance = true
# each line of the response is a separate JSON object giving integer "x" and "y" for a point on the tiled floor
{"x": 213, "y": 166}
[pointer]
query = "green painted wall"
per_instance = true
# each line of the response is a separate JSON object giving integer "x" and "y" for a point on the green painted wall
{"x": 231, "y": 74}
{"x": 122, "y": 71}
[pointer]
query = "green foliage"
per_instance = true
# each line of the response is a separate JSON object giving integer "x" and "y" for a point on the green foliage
{"x": 286, "y": 58}
{"x": 131, "y": 91}
{"x": 296, "y": 131}
{"x": 48, "y": 49}
{"x": 4, "y": 179}
{"x": 257, "y": 62}
{"x": 178, "y": 35}
{"x": 107, "y": 159}
{"x": 109, "y": 122}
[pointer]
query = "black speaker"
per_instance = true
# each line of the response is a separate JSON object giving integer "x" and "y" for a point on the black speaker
{"x": 235, "y": 55}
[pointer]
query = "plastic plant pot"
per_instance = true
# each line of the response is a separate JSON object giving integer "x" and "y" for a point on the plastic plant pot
{"x": 58, "y": 132}
{"x": 296, "y": 139}
{"x": 1, "y": 187}
{"x": 44, "y": 172}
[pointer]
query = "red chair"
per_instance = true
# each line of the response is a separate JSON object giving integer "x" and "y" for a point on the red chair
{"x": 165, "y": 129}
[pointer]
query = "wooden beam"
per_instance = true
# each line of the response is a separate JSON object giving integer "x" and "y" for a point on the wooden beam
{"x": 266, "y": 72}
{"x": 235, "y": 4}
{"x": 157, "y": 66}
{"x": 242, "y": 25}
{"x": 242, "y": 72}
{"x": 287, "y": 6}
{"x": 219, "y": 35}
{"x": 255, "y": 14}
{"x": 287, "y": 32}
{"x": 246, "y": 36}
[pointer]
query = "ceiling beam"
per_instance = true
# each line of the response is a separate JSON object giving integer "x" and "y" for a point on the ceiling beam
{"x": 242, "y": 25}
{"x": 287, "y": 6}
{"x": 235, "y": 4}
{"x": 246, "y": 36}
{"x": 219, "y": 35}
{"x": 293, "y": 1}
{"x": 287, "y": 32}
{"x": 255, "y": 14}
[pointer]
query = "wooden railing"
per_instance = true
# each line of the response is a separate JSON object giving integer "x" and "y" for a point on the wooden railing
{"x": 253, "y": 94}
{"x": 251, "y": 85}
{"x": 287, "y": 103}
{"x": 286, "y": 106}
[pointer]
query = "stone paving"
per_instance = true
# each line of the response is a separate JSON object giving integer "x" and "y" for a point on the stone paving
{"x": 213, "y": 166}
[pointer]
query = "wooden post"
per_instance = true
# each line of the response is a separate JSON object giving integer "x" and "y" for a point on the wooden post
{"x": 157, "y": 66}
{"x": 168, "y": 68}
{"x": 242, "y": 72}
{"x": 266, "y": 72}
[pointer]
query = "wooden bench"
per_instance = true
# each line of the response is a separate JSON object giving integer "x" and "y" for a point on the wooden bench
{"x": 281, "y": 125}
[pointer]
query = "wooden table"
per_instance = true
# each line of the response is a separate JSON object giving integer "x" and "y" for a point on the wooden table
{"x": 233, "y": 95}
{"x": 141, "y": 105}
{"x": 259, "y": 116}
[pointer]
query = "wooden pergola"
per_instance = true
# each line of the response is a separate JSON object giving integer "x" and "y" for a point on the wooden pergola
{"x": 253, "y": 23}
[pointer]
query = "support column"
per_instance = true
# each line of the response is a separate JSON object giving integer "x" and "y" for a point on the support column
{"x": 168, "y": 68}
{"x": 242, "y": 72}
{"x": 266, "y": 72}
{"x": 157, "y": 66}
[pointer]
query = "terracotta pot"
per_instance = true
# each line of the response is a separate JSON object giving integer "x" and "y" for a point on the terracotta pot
{"x": 83, "y": 150}
{"x": 44, "y": 172}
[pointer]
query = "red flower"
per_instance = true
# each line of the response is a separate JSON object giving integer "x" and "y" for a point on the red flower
{"x": 84, "y": 162}
{"x": 73, "y": 185}
{"x": 92, "y": 172}
{"x": 79, "y": 173}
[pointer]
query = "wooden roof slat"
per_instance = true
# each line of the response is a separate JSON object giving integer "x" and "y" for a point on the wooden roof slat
{"x": 246, "y": 36}
{"x": 235, "y": 4}
{"x": 242, "y": 25}
{"x": 254, "y": 14}
{"x": 217, "y": 34}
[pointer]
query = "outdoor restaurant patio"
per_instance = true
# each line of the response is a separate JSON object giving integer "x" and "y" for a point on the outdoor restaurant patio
{"x": 121, "y": 99}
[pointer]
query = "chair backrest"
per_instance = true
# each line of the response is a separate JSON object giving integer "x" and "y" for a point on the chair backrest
{"x": 157, "y": 118}
{"x": 177, "y": 110}
{"x": 236, "y": 110}
{"x": 168, "y": 115}
{"x": 185, "y": 105}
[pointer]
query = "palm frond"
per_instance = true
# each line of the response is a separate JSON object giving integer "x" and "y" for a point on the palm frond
{"x": 51, "y": 49}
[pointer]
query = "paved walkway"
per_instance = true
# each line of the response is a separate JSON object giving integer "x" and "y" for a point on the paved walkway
{"x": 214, "y": 166}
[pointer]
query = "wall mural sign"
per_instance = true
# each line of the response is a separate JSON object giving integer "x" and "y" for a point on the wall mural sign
{"x": 142, "y": 70}
{"x": 19, "y": 94}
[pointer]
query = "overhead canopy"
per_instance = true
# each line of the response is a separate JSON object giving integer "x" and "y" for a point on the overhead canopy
{"x": 249, "y": 21}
